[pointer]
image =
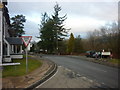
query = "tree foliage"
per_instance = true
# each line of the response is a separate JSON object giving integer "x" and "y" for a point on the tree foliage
{"x": 58, "y": 23}
{"x": 106, "y": 38}
{"x": 47, "y": 36}
{"x": 71, "y": 43}
{"x": 17, "y": 25}
{"x": 52, "y": 30}
{"x": 78, "y": 46}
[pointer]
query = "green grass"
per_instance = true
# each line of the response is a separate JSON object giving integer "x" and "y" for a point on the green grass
{"x": 114, "y": 61}
{"x": 24, "y": 56}
{"x": 20, "y": 70}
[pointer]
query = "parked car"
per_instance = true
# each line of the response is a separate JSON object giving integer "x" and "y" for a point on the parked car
{"x": 106, "y": 54}
{"x": 90, "y": 53}
{"x": 97, "y": 55}
{"x": 94, "y": 54}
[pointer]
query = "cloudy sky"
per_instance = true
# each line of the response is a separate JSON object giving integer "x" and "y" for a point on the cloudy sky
{"x": 82, "y": 15}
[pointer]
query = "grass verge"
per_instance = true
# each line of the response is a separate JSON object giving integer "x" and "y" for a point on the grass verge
{"x": 109, "y": 62}
{"x": 20, "y": 70}
{"x": 105, "y": 61}
{"x": 114, "y": 61}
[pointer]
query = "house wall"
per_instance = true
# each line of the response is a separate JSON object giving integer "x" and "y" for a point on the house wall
{"x": 1, "y": 43}
{"x": 7, "y": 49}
{"x": 6, "y": 34}
{"x": 1, "y": 38}
{"x": 15, "y": 49}
{"x": 5, "y": 45}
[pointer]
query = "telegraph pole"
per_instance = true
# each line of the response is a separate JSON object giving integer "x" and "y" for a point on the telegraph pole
{"x": 57, "y": 41}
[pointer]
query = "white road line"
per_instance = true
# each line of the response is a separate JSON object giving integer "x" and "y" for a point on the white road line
{"x": 47, "y": 80}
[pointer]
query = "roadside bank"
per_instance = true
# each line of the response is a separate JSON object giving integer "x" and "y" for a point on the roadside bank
{"x": 103, "y": 61}
{"x": 29, "y": 80}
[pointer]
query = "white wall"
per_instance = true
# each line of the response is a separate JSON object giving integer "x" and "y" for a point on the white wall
{"x": 1, "y": 45}
{"x": 29, "y": 46}
{"x": 1, "y": 40}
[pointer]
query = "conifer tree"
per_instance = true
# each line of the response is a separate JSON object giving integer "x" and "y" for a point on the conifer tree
{"x": 17, "y": 25}
{"x": 52, "y": 30}
{"x": 71, "y": 43}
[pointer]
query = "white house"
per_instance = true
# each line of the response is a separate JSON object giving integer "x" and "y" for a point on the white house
{"x": 10, "y": 47}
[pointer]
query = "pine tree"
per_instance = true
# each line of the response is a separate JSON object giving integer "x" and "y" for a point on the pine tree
{"x": 59, "y": 31}
{"x": 52, "y": 30}
{"x": 46, "y": 33}
{"x": 17, "y": 25}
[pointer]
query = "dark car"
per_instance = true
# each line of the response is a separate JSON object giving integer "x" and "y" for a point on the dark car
{"x": 90, "y": 53}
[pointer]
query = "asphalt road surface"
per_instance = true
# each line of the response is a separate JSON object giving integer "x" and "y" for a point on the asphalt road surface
{"x": 65, "y": 78}
{"x": 105, "y": 75}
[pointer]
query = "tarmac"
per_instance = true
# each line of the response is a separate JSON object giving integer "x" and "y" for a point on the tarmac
{"x": 42, "y": 74}
{"x": 66, "y": 78}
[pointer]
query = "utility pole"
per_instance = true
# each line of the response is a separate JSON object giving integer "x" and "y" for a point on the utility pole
{"x": 57, "y": 41}
{"x": 118, "y": 29}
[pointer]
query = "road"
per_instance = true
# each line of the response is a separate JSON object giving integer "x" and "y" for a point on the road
{"x": 105, "y": 75}
{"x": 65, "y": 78}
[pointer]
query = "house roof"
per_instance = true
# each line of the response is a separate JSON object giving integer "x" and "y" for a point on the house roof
{"x": 14, "y": 40}
{"x": 6, "y": 14}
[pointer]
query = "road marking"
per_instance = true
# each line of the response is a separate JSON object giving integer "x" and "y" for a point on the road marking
{"x": 47, "y": 80}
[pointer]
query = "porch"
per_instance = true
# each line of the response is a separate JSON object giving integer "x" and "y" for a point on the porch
{"x": 12, "y": 49}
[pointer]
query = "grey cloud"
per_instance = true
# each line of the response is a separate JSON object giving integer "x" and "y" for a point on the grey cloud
{"x": 100, "y": 10}
{"x": 31, "y": 28}
{"x": 107, "y": 11}
{"x": 30, "y": 7}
